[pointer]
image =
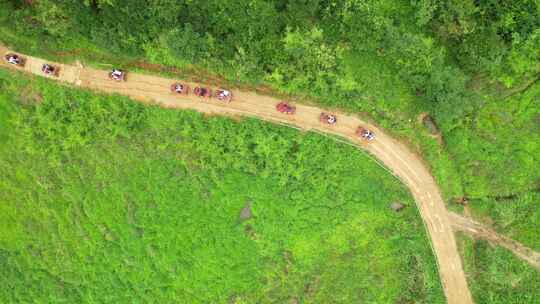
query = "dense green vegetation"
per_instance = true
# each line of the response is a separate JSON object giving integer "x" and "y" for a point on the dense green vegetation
{"x": 496, "y": 276}
{"x": 498, "y": 147}
{"x": 516, "y": 217}
{"x": 473, "y": 65}
{"x": 498, "y": 154}
{"x": 389, "y": 59}
{"x": 106, "y": 200}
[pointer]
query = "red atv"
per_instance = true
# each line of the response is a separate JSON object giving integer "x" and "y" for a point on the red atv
{"x": 224, "y": 95}
{"x": 202, "y": 92}
{"x": 15, "y": 59}
{"x": 117, "y": 75}
{"x": 179, "y": 88}
{"x": 365, "y": 134}
{"x": 50, "y": 70}
{"x": 286, "y": 108}
{"x": 328, "y": 119}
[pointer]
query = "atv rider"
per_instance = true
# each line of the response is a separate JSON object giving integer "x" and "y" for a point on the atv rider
{"x": 117, "y": 74}
{"x": 286, "y": 108}
{"x": 13, "y": 59}
{"x": 331, "y": 119}
{"x": 365, "y": 133}
{"x": 202, "y": 92}
{"x": 48, "y": 69}
{"x": 179, "y": 88}
{"x": 369, "y": 135}
{"x": 328, "y": 119}
{"x": 223, "y": 94}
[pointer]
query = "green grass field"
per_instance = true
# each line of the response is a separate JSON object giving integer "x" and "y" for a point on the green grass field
{"x": 106, "y": 200}
{"x": 496, "y": 276}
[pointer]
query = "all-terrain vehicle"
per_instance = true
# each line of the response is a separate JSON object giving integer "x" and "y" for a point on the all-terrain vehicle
{"x": 117, "y": 75}
{"x": 50, "y": 70}
{"x": 284, "y": 107}
{"x": 328, "y": 119}
{"x": 179, "y": 88}
{"x": 202, "y": 92}
{"x": 223, "y": 95}
{"x": 365, "y": 134}
{"x": 14, "y": 59}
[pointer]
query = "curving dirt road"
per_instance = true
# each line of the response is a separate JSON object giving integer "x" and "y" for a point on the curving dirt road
{"x": 394, "y": 155}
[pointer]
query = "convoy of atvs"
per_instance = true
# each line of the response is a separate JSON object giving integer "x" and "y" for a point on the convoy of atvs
{"x": 183, "y": 89}
{"x": 220, "y": 94}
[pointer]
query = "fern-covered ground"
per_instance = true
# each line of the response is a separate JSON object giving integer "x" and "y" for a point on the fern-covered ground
{"x": 497, "y": 152}
{"x": 106, "y": 200}
{"x": 496, "y": 276}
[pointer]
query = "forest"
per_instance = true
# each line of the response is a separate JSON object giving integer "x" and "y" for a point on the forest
{"x": 473, "y": 66}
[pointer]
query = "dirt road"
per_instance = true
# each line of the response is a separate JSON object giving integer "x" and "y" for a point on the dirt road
{"x": 394, "y": 155}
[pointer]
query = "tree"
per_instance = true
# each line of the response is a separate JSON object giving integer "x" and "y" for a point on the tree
{"x": 54, "y": 19}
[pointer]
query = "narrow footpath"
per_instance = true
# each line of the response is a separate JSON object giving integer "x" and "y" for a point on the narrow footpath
{"x": 394, "y": 155}
{"x": 477, "y": 230}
